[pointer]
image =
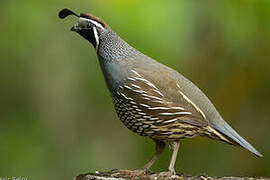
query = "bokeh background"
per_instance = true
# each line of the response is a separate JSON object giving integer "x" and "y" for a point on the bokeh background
{"x": 56, "y": 115}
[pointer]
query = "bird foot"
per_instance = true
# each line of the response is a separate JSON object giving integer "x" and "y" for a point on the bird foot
{"x": 139, "y": 173}
{"x": 148, "y": 171}
{"x": 129, "y": 173}
{"x": 171, "y": 174}
{"x": 143, "y": 171}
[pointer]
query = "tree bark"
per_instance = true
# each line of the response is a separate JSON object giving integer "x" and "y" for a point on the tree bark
{"x": 141, "y": 175}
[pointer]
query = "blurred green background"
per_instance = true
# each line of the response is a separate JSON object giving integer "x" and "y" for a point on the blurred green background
{"x": 56, "y": 115}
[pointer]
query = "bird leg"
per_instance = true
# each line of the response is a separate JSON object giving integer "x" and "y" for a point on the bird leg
{"x": 175, "y": 147}
{"x": 160, "y": 146}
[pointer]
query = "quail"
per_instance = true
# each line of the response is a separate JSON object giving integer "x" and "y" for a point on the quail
{"x": 150, "y": 98}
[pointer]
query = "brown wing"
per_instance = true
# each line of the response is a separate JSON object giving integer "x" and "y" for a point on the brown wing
{"x": 157, "y": 105}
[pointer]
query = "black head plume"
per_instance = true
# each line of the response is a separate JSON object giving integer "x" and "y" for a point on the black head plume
{"x": 66, "y": 12}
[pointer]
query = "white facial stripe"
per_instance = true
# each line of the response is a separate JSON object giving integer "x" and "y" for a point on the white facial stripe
{"x": 91, "y": 21}
{"x": 96, "y": 36}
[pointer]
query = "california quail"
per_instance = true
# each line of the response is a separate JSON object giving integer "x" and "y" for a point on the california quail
{"x": 150, "y": 98}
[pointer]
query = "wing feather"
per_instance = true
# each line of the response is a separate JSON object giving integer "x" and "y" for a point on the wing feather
{"x": 155, "y": 103}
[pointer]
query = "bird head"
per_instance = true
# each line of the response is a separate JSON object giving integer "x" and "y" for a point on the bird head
{"x": 88, "y": 26}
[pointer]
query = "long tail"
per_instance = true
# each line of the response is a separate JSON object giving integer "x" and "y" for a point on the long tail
{"x": 228, "y": 134}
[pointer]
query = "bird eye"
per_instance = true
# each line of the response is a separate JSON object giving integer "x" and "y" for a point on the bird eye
{"x": 88, "y": 25}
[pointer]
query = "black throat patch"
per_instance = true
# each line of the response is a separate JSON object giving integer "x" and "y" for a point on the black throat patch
{"x": 89, "y": 35}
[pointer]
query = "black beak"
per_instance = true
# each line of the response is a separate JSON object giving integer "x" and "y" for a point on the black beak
{"x": 74, "y": 28}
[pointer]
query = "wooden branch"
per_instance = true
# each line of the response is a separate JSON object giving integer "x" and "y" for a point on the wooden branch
{"x": 141, "y": 175}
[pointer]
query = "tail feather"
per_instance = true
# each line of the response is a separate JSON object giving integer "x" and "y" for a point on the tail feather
{"x": 232, "y": 135}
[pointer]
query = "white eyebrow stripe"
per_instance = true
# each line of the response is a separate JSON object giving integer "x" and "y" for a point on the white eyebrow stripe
{"x": 93, "y": 22}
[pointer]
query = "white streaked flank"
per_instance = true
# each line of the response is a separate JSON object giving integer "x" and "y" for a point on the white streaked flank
{"x": 193, "y": 104}
{"x": 145, "y": 126}
{"x": 160, "y": 102}
{"x": 180, "y": 108}
{"x": 132, "y": 79}
{"x": 152, "y": 85}
{"x": 144, "y": 105}
{"x": 153, "y": 97}
{"x": 157, "y": 91}
{"x": 212, "y": 130}
{"x": 141, "y": 79}
{"x": 145, "y": 98}
{"x": 135, "y": 72}
{"x": 127, "y": 87}
{"x": 176, "y": 113}
{"x": 138, "y": 91}
{"x": 146, "y": 117}
{"x": 126, "y": 97}
{"x": 160, "y": 120}
{"x": 141, "y": 113}
{"x": 170, "y": 120}
{"x": 136, "y": 86}
{"x": 178, "y": 85}
{"x": 138, "y": 124}
{"x": 158, "y": 108}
